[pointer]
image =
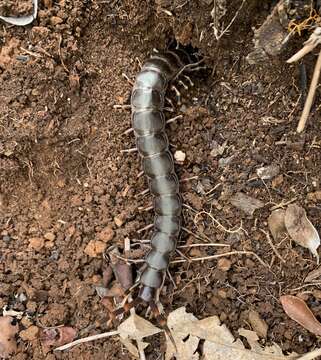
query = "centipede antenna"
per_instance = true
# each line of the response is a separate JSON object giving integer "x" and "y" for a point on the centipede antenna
{"x": 162, "y": 322}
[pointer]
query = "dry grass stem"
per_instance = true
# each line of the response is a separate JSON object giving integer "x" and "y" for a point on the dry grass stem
{"x": 276, "y": 252}
{"x": 310, "y": 97}
{"x": 240, "y": 228}
{"x": 211, "y": 257}
{"x": 87, "y": 339}
{"x": 283, "y": 204}
{"x": 224, "y": 31}
{"x": 200, "y": 245}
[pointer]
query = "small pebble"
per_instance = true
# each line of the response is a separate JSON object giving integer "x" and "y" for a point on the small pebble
{"x": 29, "y": 334}
{"x": 36, "y": 243}
{"x": 95, "y": 248}
{"x": 268, "y": 172}
{"x": 54, "y": 255}
{"x": 106, "y": 234}
{"x": 50, "y": 236}
{"x": 120, "y": 219}
{"x": 179, "y": 156}
{"x": 224, "y": 264}
{"x": 6, "y": 238}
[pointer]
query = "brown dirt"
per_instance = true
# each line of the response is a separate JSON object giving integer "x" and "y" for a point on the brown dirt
{"x": 62, "y": 171}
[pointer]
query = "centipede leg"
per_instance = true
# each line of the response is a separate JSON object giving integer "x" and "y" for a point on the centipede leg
{"x": 161, "y": 320}
{"x": 129, "y": 150}
{"x": 183, "y": 84}
{"x": 178, "y": 94}
{"x": 189, "y": 80}
{"x": 127, "y": 306}
{"x": 122, "y": 107}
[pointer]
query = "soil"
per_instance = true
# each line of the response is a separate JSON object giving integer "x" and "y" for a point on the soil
{"x": 64, "y": 178}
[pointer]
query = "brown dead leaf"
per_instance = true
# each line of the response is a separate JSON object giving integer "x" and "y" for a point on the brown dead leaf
{"x": 57, "y": 336}
{"x": 298, "y": 310}
{"x": 136, "y": 328}
{"x": 219, "y": 342}
{"x": 301, "y": 229}
{"x": 314, "y": 274}
{"x": 276, "y": 223}
{"x": 124, "y": 274}
{"x": 8, "y": 330}
{"x": 258, "y": 324}
{"x": 246, "y": 203}
{"x": 186, "y": 345}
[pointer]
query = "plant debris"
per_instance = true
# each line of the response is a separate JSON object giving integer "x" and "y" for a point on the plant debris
{"x": 276, "y": 223}
{"x": 136, "y": 328}
{"x": 246, "y": 203}
{"x": 313, "y": 275}
{"x": 8, "y": 329}
{"x": 298, "y": 311}
{"x": 57, "y": 336}
{"x": 301, "y": 229}
{"x": 219, "y": 343}
{"x": 268, "y": 172}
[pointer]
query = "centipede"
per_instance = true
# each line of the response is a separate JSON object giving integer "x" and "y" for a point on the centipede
{"x": 158, "y": 72}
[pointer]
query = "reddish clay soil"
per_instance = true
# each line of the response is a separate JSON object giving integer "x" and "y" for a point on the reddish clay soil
{"x": 64, "y": 179}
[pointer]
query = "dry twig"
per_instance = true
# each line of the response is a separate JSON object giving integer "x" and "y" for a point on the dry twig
{"x": 87, "y": 339}
{"x": 268, "y": 238}
{"x": 309, "y": 45}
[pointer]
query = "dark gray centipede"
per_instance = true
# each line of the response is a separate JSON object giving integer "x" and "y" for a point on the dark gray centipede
{"x": 148, "y": 121}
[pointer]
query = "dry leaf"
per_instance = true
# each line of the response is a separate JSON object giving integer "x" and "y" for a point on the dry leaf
{"x": 57, "y": 336}
{"x": 130, "y": 347}
{"x": 298, "y": 310}
{"x": 276, "y": 223}
{"x": 258, "y": 324}
{"x": 136, "y": 328}
{"x": 219, "y": 342}
{"x": 178, "y": 321}
{"x": 314, "y": 274}
{"x": 124, "y": 274}
{"x": 246, "y": 203}
{"x": 301, "y": 229}
{"x": 8, "y": 330}
{"x": 268, "y": 172}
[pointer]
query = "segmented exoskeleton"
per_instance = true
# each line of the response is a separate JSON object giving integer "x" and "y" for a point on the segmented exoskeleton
{"x": 148, "y": 120}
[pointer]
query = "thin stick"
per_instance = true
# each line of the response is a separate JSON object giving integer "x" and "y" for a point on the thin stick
{"x": 201, "y": 245}
{"x": 231, "y": 22}
{"x": 222, "y": 255}
{"x": 217, "y": 222}
{"x": 268, "y": 238}
{"x": 310, "y": 97}
{"x": 86, "y": 339}
{"x": 60, "y": 55}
